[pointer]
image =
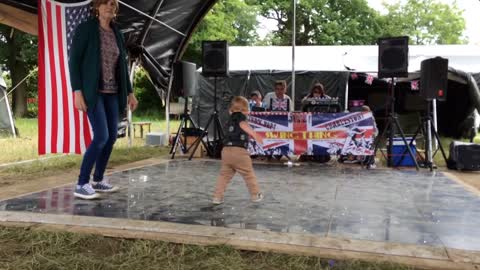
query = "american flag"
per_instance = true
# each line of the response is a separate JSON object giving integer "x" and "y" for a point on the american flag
{"x": 61, "y": 128}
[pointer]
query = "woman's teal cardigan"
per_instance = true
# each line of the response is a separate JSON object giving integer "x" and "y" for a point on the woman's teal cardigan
{"x": 85, "y": 64}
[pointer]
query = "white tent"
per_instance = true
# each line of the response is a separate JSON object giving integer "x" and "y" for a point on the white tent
{"x": 6, "y": 120}
{"x": 343, "y": 58}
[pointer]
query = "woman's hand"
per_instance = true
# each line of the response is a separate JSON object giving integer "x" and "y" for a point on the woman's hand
{"x": 132, "y": 102}
{"x": 80, "y": 101}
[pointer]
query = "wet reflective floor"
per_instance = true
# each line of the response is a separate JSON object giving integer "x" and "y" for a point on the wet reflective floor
{"x": 400, "y": 206}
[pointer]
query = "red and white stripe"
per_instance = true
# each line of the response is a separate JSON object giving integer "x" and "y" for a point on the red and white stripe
{"x": 62, "y": 128}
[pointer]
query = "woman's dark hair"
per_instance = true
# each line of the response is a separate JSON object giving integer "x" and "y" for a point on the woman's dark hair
{"x": 317, "y": 86}
{"x": 256, "y": 93}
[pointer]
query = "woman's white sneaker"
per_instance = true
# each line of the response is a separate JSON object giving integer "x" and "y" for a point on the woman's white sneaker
{"x": 85, "y": 192}
{"x": 104, "y": 187}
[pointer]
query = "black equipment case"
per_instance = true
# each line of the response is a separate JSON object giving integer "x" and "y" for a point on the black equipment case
{"x": 464, "y": 156}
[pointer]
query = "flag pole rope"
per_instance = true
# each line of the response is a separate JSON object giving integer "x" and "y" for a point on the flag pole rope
{"x": 15, "y": 87}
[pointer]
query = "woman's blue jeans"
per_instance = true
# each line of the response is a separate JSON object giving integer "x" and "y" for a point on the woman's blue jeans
{"x": 104, "y": 121}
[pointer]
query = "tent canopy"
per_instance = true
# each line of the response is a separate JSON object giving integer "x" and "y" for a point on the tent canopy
{"x": 345, "y": 58}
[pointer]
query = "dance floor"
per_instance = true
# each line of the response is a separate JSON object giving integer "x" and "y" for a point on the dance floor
{"x": 327, "y": 200}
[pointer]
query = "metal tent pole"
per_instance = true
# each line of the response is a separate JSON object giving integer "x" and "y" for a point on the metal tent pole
{"x": 294, "y": 31}
{"x": 346, "y": 94}
{"x": 152, "y": 18}
{"x": 129, "y": 112}
{"x": 167, "y": 108}
{"x": 434, "y": 105}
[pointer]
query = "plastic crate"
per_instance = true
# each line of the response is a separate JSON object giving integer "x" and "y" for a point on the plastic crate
{"x": 400, "y": 155}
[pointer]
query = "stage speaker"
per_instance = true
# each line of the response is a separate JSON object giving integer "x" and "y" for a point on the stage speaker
{"x": 434, "y": 78}
{"x": 393, "y": 57}
{"x": 215, "y": 58}
{"x": 184, "y": 78}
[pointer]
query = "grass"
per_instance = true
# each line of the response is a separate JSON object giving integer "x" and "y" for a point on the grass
{"x": 25, "y": 146}
{"x": 25, "y": 248}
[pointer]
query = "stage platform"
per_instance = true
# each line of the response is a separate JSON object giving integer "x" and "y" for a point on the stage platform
{"x": 425, "y": 210}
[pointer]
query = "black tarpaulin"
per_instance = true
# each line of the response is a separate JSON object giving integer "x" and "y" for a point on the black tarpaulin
{"x": 242, "y": 83}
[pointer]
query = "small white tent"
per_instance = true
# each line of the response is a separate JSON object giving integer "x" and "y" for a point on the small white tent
{"x": 256, "y": 68}
{"x": 345, "y": 58}
{"x": 7, "y": 126}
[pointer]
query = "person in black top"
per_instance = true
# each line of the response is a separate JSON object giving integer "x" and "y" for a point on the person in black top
{"x": 235, "y": 157}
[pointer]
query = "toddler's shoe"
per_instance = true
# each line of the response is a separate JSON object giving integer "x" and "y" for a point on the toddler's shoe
{"x": 258, "y": 197}
{"x": 217, "y": 201}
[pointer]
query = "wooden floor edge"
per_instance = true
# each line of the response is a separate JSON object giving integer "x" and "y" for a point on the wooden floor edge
{"x": 245, "y": 243}
{"x": 467, "y": 185}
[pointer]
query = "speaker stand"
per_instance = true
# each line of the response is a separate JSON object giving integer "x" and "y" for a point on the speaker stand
{"x": 428, "y": 129}
{"x": 181, "y": 136}
{"x": 392, "y": 125}
{"x": 213, "y": 147}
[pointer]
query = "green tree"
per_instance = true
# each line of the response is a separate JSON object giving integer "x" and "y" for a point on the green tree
{"x": 149, "y": 101}
{"x": 322, "y": 22}
{"x": 425, "y": 22}
{"x": 231, "y": 20}
{"x": 18, "y": 56}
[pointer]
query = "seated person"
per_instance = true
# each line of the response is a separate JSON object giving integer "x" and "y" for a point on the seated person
{"x": 317, "y": 92}
{"x": 255, "y": 103}
{"x": 279, "y": 100}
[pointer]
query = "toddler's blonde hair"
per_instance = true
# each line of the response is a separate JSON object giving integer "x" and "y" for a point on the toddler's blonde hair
{"x": 239, "y": 104}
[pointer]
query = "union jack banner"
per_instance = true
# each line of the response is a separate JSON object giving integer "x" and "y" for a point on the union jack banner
{"x": 280, "y": 104}
{"x": 369, "y": 79}
{"x": 313, "y": 133}
{"x": 414, "y": 85}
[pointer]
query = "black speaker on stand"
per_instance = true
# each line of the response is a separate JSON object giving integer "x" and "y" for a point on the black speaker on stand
{"x": 434, "y": 78}
{"x": 215, "y": 64}
{"x": 392, "y": 63}
{"x": 185, "y": 83}
{"x": 393, "y": 57}
{"x": 433, "y": 86}
{"x": 215, "y": 58}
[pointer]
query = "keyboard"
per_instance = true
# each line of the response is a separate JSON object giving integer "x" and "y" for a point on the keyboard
{"x": 324, "y": 105}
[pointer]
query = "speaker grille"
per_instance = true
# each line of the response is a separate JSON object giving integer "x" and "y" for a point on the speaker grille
{"x": 434, "y": 78}
{"x": 393, "y": 57}
{"x": 215, "y": 58}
